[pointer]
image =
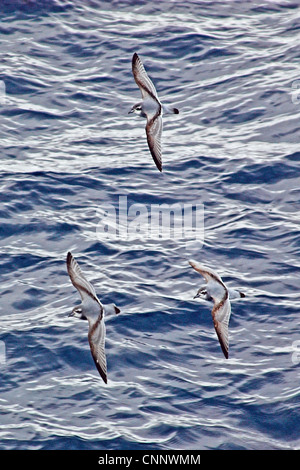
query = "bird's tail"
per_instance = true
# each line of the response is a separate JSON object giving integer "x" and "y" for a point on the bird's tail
{"x": 169, "y": 110}
{"x": 111, "y": 309}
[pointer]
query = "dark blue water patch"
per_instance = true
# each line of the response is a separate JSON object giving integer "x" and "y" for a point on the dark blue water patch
{"x": 237, "y": 115}
{"x": 53, "y": 230}
{"x": 68, "y": 183}
{"x": 24, "y": 85}
{"x": 36, "y": 300}
{"x": 241, "y": 253}
{"x": 18, "y": 262}
{"x": 273, "y": 7}
{"x": 36, "y": 187}
{"x": 191, "y": 314}
{"x": 6, "y": 29}
{"x": 84, "y": 97}
{"x": 193, "y": 164}
{"x": 216, "y": 52}
{"x": 150, "y": 264}
{"x": 78, "y": 356}
{"x": 101, "y": 249}
{"x": 174, "y": 357}
{"x": 191, "y": 45}
{"x": 249, "y": 196}
{"x": 31, "y": 356}
{"x": 96, "y": 141}
{"x": 132, "y": 360}
{"x": 292, "y": 28}
{"x": 236, "y": 251}
{"x": 144, "y": 322}
{"x": 130, "y": 167}
{"x": 22, "y": 10}
{"x": 232, "y": 82}
{"x": 121, "y": 299}
{"x": 79, "y": 49}
{"x": 273, "y": 419}
{"x": 34, "y": 198}
{"x": 13, "y": 111}
{"x": 267, "y": 95}
{"x": 232, "y": 446}
{"x": 77, "y": 443}
{"x": 294, "y": 157}
{"x": 263, "y": 173}
{"x": 180, "y": 37}
{"x": 69, "y": 44}
{"x": 286, "y": 132}
{"x": 56, "y": 231}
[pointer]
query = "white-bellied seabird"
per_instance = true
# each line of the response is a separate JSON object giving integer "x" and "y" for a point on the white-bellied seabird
{"x": 216, "y": 290}
{"x": 93, "y": 310}
{"x": 150, "y": 108}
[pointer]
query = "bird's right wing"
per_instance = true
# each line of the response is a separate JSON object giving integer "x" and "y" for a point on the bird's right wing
{"x": 154, "y": 131}
{"x": 96, "y": 336}
{"x": 221, "y": 315}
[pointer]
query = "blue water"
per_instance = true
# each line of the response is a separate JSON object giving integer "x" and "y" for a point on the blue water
{"x": 69, "y": 147}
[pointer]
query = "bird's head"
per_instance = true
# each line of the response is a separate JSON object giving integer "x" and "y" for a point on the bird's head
{"x": 201, "y": 293}
{"x": 78, "y": 313}
{"x": 137, "y": 109}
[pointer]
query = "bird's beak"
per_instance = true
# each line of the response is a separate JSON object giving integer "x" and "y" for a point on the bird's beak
{"x": 131, "y": 111}
{"x": 71, "y": 314}
{"x": 196, "y": 296}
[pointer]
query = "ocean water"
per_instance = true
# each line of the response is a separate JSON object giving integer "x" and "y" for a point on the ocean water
{"x": 69, "y": 150}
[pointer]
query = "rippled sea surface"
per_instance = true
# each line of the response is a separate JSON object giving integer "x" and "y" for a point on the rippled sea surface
{"x": 70, "y": 149}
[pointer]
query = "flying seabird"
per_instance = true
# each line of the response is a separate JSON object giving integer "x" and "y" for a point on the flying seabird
{"x": 150, "y": 108}
{"x": 216, "y": 291}
{"x": 93, "y": 310}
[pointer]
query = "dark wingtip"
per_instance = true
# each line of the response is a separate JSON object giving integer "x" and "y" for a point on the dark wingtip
{"x": 242, "y": 294}
{"x": 134, "y": 57}
{"x": 101, "y": 372}
{"x": 225, "y": 351}
{"x": 156, "y": 161}
{"x": 175, "y": 111}
{"x": 103, "y": 376}
{"x": 117, "y": 310}
{"x": 69, "y": 256}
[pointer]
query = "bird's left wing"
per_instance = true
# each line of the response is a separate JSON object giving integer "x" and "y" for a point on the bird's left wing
{"x": 141, "y": 78}
{"x": 78, "y": 279}
{"x": 207, "y": 273}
